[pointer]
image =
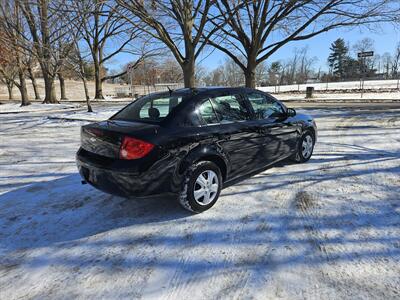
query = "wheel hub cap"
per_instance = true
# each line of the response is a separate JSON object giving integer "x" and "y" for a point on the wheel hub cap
{"x": 206, "y": 187}
{"x": 307, "y": 146}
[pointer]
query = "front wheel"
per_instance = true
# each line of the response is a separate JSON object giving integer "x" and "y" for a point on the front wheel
{"x": 305, "y": 148}
{"x": 201, "y": 187}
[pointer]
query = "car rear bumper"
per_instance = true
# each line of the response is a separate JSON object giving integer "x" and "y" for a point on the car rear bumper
{"x": 125, "y": 182}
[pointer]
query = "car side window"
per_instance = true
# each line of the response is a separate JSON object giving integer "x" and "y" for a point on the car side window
{"x": 229, "y": 109}
{"x": 207, "y": 112}
{"x": 265, "y": 107}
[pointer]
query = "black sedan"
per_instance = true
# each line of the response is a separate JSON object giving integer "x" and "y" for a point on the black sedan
{"x": 192, "y": 143}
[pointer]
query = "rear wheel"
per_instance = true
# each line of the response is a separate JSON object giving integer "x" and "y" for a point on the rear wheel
{"x": 305, "y": 148}
{"x": 201, "y": 187}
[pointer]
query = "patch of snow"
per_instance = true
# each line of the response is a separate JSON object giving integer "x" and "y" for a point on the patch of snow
{"x": 348, "y": 85}
{"x": 34, "y": 107}
{"x": 338, "y": 97}
{"x": 95, "y": 116}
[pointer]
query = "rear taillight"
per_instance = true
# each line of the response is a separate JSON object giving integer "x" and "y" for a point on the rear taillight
{"x": 132, "y": 148}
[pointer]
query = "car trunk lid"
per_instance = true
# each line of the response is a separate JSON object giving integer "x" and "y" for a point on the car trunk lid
{"x": 105, "y": 138}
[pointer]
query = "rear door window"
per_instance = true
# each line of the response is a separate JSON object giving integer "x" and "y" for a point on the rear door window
{"x": 230, "y": 109}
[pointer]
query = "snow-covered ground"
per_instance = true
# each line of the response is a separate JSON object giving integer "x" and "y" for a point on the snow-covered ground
{"x": 347, "y": 85}
{"x": 342, "y": 97}
{"x": 35, "y": 107}
{"x": 327, "y": 229}
{"x": 97, "y": 115}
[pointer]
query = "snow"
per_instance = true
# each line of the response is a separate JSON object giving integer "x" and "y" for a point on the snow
{"x": 85, "y": 116}
{"x": 347, "y": 85}
{"x": 339, "y": 97}
{"x": 329, "y": 228}
{"x": 34, "y": 107}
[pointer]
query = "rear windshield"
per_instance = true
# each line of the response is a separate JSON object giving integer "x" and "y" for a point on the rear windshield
{"x": 152, "y": 108}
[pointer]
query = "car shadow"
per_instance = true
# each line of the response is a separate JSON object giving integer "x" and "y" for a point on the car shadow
{"x": 64, "y": 214}
{"x": 63, "y": 209}
{"x": 63, "y": 224}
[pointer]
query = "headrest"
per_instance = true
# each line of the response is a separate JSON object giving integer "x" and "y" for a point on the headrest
{"x": 154, "y": 113}
{"x": 224, "y": 105}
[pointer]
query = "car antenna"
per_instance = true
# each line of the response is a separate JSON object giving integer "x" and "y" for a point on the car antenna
{"x": 170, "y": 91}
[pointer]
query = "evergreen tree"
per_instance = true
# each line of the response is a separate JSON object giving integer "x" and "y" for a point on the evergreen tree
{"x": 338, "y": 58}
{"x": 273, "y": 72}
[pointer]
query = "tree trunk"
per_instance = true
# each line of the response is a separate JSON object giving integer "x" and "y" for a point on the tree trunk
{"x": 62, "y": 86}
{"x": 98, "y": 88}
{"x": 89, "y": 106}
{"x": 10, "y": 90}
{"x": 188, "y": 69}
{"x": 34, "y": 84}
{"x": 22, "y": 89}
{"x": 250, "y": 77}
{"x": 97, "y": 81}
{"x": 50, "y": 94}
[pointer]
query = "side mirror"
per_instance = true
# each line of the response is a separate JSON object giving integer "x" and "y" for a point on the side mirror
{"x": 291, "y": 112}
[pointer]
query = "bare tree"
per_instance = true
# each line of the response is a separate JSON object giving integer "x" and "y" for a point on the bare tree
{"x": 106, "y": 34}
{"x": 232, "y": 74}
{"x": 261, "y": 74}
{"x": 304, "y": 69}
{"x": 396, "y": 62}
{"x": 64, "y": 50}
{"x": 8, "y": 71}
{"x": 8, "y": 75}
{"x": 250, "y": 27}
{"x": 31, "y": 65}
{"x": 215, "y": 77}
{"x": 14, "y": 57}
{"x": 386, "y": 62}
{"x": 77, "y": 61}
{"x": 49, "y": 26}
{"x": 181, "y": 25}
{"x": 367, "y": 64}
{"x": 396, "y": 65}
{"x": 226, "y": 74}
{"x": 365, "y": 44}
{"x": 154, "y": 69}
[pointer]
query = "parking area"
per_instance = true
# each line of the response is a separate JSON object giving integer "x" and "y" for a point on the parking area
{"x": 329, "y": 228}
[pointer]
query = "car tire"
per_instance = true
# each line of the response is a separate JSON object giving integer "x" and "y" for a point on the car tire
{"x": 305, "y": 148}
{"x": 201, "y": 187}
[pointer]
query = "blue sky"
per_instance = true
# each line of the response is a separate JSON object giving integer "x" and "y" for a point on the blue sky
{"x": 386, "y": 38}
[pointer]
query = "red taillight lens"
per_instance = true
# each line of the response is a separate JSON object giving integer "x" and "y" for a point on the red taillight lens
{"x": 132, "y": 148}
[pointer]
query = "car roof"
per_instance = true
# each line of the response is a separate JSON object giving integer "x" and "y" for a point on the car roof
{"x": 210, "y": 89}
{"x": 187, "y": 92}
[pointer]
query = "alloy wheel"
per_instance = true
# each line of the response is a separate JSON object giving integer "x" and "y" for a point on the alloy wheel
{"x": 307, "y": 146}
{"x": 206, "y": 187}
